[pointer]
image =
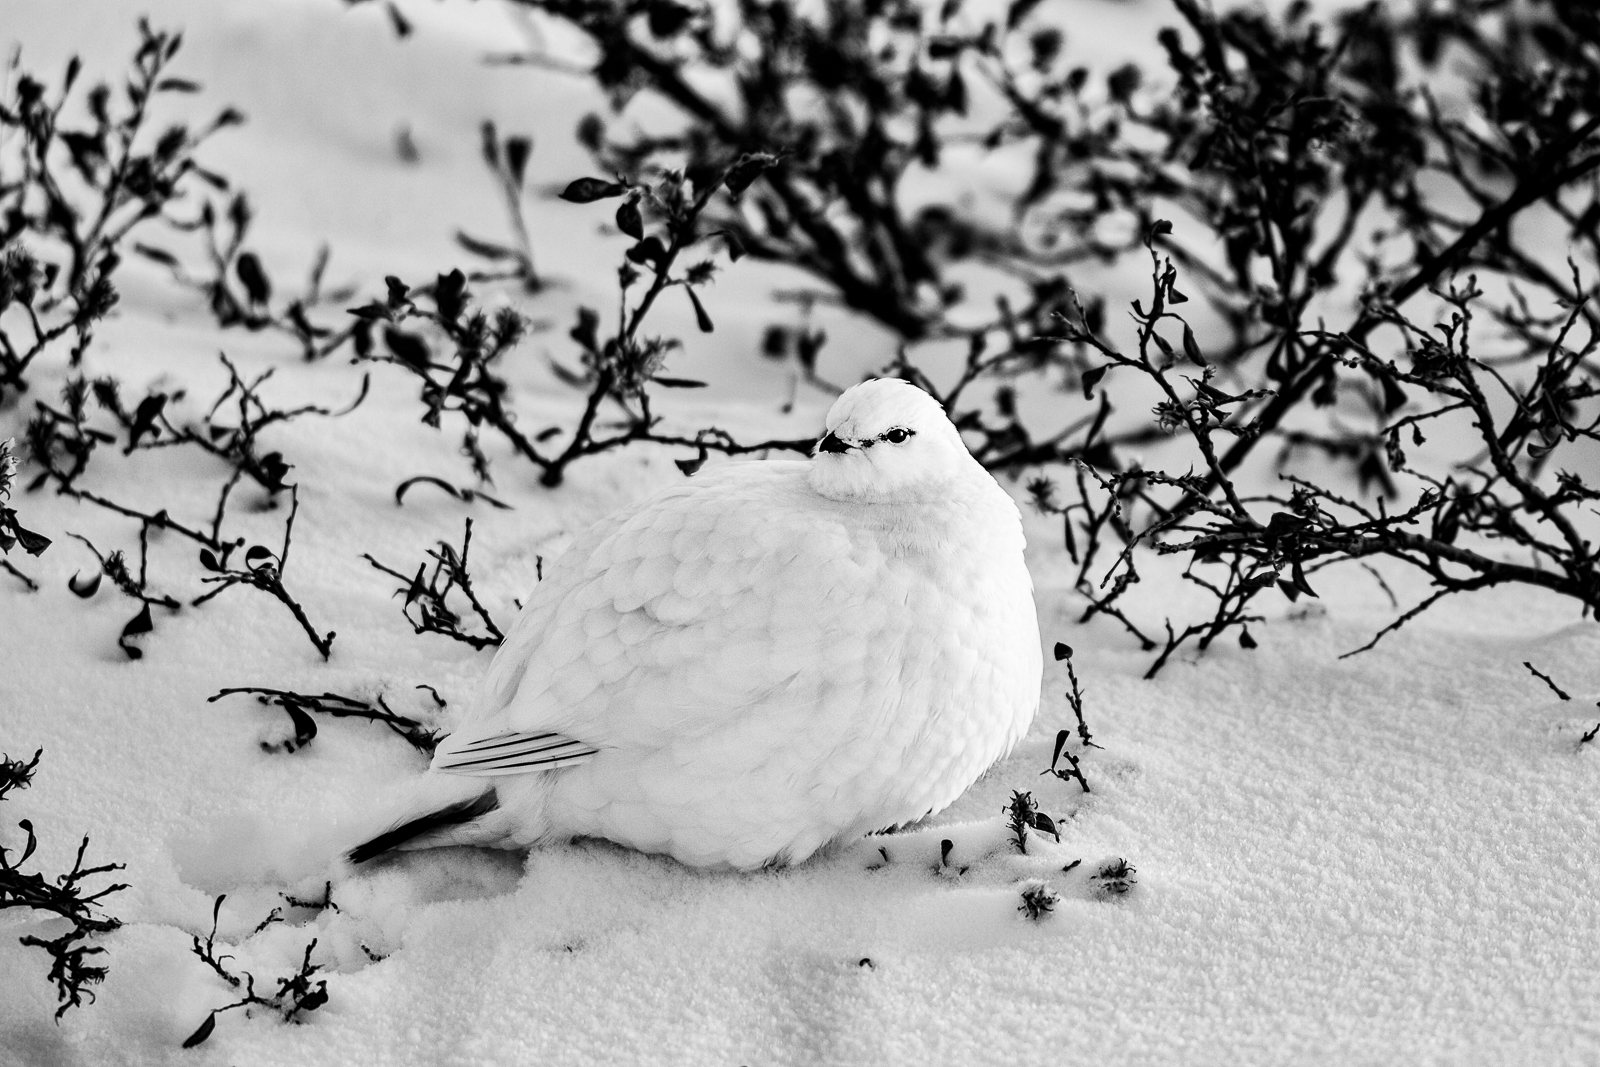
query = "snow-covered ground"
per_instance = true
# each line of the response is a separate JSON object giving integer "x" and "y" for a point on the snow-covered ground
{"x": 1384, "y": 859}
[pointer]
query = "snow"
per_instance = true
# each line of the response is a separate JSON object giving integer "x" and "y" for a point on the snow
{"x": 1382, "y": 859}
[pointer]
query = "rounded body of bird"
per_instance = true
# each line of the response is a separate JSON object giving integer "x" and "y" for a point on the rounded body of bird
{"x": 768, "y": 657}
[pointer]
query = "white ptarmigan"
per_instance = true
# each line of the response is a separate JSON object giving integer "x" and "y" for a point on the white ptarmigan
{"x": 756, "y": 662}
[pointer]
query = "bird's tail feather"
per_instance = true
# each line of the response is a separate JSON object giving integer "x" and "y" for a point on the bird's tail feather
{"x": 457, "y": 814}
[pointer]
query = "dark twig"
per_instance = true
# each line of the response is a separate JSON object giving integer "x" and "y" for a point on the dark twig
{"x": 1546, "y": 679}
{"x": 263, "y": 570}
{"x": 300, "y": 707}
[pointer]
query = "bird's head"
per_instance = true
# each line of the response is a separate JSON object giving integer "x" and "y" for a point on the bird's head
{"x": 887, "y": 441}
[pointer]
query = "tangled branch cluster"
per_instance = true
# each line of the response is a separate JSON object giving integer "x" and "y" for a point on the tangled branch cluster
{"x": 298, "y": 994}
{"x": 72, "y": 195}
{"x": 65, "y": 897}
{"x": 63, "y": 440}
{"x": 617, "y": 372}
{"x": 1308, "y": 163}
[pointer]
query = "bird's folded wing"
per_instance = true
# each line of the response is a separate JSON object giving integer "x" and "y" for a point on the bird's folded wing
{"x": 508, "y": 752}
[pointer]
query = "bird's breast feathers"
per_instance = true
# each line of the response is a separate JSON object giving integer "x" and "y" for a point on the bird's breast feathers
{"x": 742, "y": 597}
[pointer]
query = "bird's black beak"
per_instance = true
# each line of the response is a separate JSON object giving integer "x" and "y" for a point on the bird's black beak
{"x": 831, "y": 443}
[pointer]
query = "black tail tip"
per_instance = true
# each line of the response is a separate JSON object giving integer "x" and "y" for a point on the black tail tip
{"x": 454, "y": 815}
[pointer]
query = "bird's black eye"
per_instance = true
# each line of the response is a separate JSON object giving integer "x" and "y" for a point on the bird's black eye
{"x": 898, "y": 435}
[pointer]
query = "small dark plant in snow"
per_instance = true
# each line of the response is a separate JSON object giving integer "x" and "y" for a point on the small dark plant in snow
{"x": 263, "y": 569}
{"x": 945, "y": 868}
{"x": 1114, "y": 879}
{"x": 427, "y": 594}
{"x": 301, "y": 706}
{"x": 1022, "y": 815}
{"x": 1075, "y": 696}
{"x": 1038, "y": 900}
{"x": 1073, "y": 770}
{"x": 64, "y": 897}
{"x": 1019, "y": 818}
{"x": 297, "y": 994}
{"x": 131, "y": 585}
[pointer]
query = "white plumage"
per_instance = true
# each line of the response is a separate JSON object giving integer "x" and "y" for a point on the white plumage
{"x": 762, "y": 659}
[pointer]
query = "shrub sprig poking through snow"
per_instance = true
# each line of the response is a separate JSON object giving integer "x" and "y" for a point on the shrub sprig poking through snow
{"x": 1114, "y": 879}
{"x": 14, "y": 774}
{"x": 944, "y": 868}
{"x": 65, "y": 897}
{"x": 136, "y": 587}
{"x": 1075, "y": 697}
{"x": 430, "y": 599}
{"x": 263, "y": 569}
{"x": 1022, "y": 815}
{"x": 1073, "y": 771}
{"x": 1038, "y": 900}
{"x": 296, "y": 995}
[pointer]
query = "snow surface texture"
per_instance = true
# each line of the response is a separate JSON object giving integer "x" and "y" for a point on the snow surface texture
{"x": 1387, "y": 859}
